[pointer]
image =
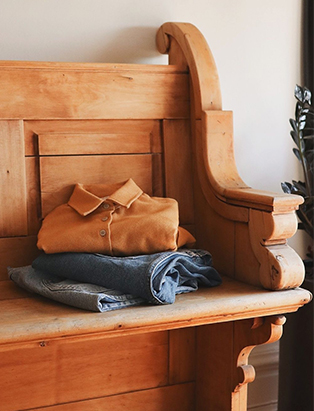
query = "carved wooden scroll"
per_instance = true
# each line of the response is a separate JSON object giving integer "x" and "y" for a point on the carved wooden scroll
{"x": 222, "y": 360}
{"x": 253, "y": 225}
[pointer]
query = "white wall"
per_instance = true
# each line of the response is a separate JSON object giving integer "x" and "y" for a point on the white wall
{"x": 256, "y": 45}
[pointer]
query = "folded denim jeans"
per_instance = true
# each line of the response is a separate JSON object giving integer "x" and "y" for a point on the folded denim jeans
{"x": 156, "y": 278}
{"x": 86, "y": 296}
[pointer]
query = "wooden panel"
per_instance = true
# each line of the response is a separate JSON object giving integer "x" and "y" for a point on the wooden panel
{"x": 173, "y": 398}
{"x": 182, "y": 355}
{"x": 16, "y": 252}
{"x": 27, "y": 377}
{"x": 214, "y": 367}
{"x": 156, "y": 132}
{"x": 33, "y": 195}
{"x": 59, "y": 174}
{"x": 178, "y": 166}
{"x": 246, "y": 264}
{"x": 9, "y": 290}
{"x": 105, "y": 92}
{"x": 126, "y": 127}
{"x": 13, "y": 210}
{"x": 62, "y": 144}
{"x": 52, "y": 372}
{"x": 158, "y": 175}
{"x": 215, "y": 234}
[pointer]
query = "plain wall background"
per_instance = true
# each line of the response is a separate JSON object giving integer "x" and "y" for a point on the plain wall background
{"x": 256, "y": 45}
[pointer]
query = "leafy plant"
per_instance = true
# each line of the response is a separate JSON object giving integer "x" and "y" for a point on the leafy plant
{"x": 302, "y": 134}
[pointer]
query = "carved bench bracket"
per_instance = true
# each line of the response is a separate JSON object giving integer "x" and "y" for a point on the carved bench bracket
{"x": 222, "y": 363}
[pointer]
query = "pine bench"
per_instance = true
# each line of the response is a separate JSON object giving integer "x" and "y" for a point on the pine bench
{"x": 163, "y": 126}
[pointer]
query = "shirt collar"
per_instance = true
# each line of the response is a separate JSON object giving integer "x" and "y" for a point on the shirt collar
{"x": 84, "y": 199}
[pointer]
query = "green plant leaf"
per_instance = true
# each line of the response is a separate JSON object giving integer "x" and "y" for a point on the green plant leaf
{"x": 297, "y": 153}
{"x": 286, "y": 187}
{"x": 307, "y": 95}
{"x": 302, "y": 134}
{"x": 298, "y": 93}
{"x": 300, "y": 186}
{"x": 293, "y": 124}
{"x": 294, "y": 136}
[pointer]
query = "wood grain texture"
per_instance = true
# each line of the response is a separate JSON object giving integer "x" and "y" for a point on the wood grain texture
{"x": 172, "y": 398}
{"x": 205, "y": 88}
{"x": 33, "y": 128}
{"x": 33, "y": 194}
{"x": 158, "y": 189}
{"x": 178, "y": 167}
{"x": 16, "y": 252}
{"x": 214, "y": 367}
{"x": 30, "y": 319}
{"x": 224, "y": 349}
{"x": 223, "y": 189}
{"x": 66, "y": 371}
{"x": 13, "y": 210}
{"x": 182, "y": 357}
{"x": 104, "y": 92}
{"x": 87, "y": 143}
{"x": 214, "y": 233}
{"x": 280, "y": 266}
{"x": 59, "y": 174}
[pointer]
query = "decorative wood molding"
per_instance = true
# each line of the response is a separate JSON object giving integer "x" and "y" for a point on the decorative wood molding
{"x": 229, "y": 361}
{"x": 268, "y": 217}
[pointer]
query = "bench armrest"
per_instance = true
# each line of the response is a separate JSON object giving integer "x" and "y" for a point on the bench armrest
{"x": 246, "y": 230}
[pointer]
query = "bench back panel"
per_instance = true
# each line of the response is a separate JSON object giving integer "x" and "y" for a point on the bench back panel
{"x": 64, "y": 124}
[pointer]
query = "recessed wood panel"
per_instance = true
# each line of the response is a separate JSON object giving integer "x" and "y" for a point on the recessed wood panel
{"x": 182, "y": 358}
{"x": 16, "y": 252}
{"x": 33, "y": 195}
{"x": 172, "y": 398}
{"x": 87, "y": 143}
{"x": 13, "y": 210}
{"x": 135, "y": 362}
{"x": 178, "y": 166}
{"x": 34, "y": 128}
{"x": 59, "y": 174}
{"x": 52, "y": 372}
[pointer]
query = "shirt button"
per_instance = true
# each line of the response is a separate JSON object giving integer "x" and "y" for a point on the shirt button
{"x": 102, "y": 233}
{"x": 105, "y": 205}
{"x": 104, "y": 219}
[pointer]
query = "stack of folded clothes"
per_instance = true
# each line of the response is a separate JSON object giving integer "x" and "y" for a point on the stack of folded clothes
{"x": 113, "y": 246}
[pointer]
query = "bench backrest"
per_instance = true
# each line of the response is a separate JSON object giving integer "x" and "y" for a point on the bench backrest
{"x": 90, "y": 123}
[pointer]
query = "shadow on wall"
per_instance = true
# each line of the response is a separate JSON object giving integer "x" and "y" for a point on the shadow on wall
{"x": 130, "y": 45}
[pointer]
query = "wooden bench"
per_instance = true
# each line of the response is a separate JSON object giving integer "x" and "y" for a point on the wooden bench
{"x": 163, "y": 126}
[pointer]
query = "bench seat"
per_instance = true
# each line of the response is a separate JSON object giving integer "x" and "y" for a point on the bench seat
{"x": 26, "y": 317}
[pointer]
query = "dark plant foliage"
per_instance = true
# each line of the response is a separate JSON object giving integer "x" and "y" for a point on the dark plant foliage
{"x": 302, "y": 134}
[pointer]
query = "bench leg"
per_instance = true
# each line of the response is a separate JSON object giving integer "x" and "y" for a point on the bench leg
{"x": 223, "y": 371}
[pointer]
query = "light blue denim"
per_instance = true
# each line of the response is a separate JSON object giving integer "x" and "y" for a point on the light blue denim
{"x": 86, "y": 296}
{"x": 156, "y": 278}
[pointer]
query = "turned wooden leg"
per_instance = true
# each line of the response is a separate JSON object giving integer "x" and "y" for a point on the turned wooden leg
{"x": 223, "y": 371}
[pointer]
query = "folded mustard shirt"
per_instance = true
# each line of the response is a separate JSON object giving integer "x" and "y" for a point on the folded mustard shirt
{"x": 113, "y": 219}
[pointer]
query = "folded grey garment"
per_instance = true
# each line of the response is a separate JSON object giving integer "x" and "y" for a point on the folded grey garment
{"x": 82, "y": 295}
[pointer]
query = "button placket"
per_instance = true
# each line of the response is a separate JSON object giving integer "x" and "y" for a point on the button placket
{"x": 108, "y": 210}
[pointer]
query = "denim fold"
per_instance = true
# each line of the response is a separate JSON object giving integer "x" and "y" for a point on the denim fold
{"x": 81, "y": 295}
{"x": 156, "y": 278}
